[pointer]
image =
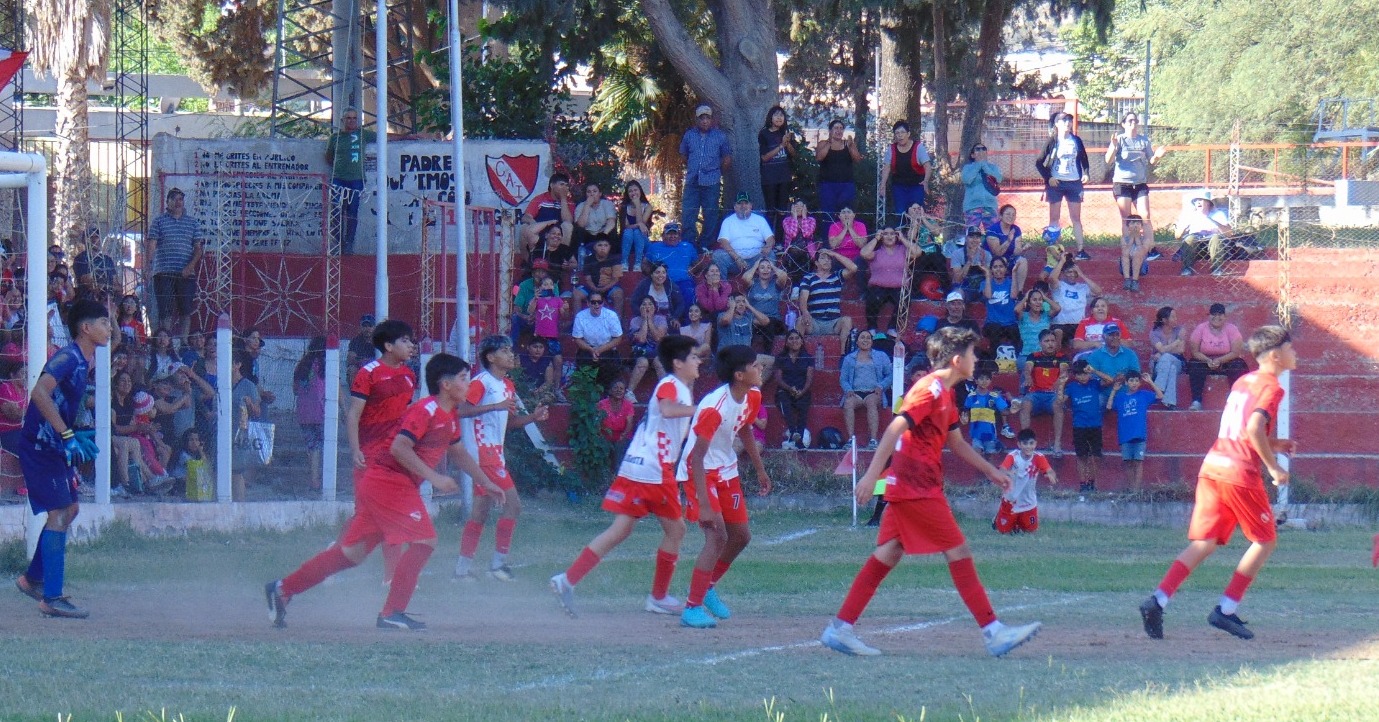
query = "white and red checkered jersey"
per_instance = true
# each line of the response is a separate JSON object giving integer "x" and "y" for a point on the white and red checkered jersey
{"x": 1023, "y": 475}
{"x": 485, "y": 433}
{"x": 718, "y": 418}
{"x": 657, "y": 441}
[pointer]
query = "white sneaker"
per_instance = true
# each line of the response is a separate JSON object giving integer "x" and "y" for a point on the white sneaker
{"x": 564, "y": 593}
{"x": 804, "y": 440}
{"x": 788, "y": 445}
{"x": 841, "y": 638}
{"x": 666, "y": 605}
{"x": 1002, "y": 640}
{"x": 1196, "y": 406}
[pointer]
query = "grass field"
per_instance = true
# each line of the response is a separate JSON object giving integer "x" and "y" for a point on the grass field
{"x": 179, "y": 628}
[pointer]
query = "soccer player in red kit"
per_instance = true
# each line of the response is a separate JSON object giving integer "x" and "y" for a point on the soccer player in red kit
{"x": 380, "y": 393}
{"x": 645, "y": 483}
{"x": 388, "y": 507}
{"x": 713, "y": 491}
{"x": 918, "y": 519}
{"x": 1230, "y": 486}
{"x": 491, "y": 389}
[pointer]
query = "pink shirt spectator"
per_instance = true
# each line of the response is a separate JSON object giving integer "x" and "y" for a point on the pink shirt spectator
{"x": 849, "y": 247}
{"x": 12, "y": 391}
{"x": 548, "y": 316}
{"x": 888, "y": 267}
{"x": 800, "y": 231}
{"x": 615, "y": 421}
{"x": 713, "y": 300}
{"x": 1213, "y": 342}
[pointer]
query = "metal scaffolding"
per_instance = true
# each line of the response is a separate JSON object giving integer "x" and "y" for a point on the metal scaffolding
{"x": 12, "y": 102}
{"x": 130, "y": 60}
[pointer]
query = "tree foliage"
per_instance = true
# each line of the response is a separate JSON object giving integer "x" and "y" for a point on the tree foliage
{"x": 231, "y": 49}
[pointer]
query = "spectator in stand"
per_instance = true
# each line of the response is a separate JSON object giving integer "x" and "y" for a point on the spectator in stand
{"x": 600, "y": 274}
{"x": 245, "y": 405}
{"x": 1064, "y": 166}
{"x": 1169, "y": 345}
{"x": 1070, "y": 289}
{"x": 1130, "y": 401}
{"x": 595, "y": 218}
{"x": 794, "y": 379}
{"x": 1113, "y": 362}
{"x": 1082, "y": 394}
{"x": 735, "y": 324}
{"x": 645, "y": 331}
{"x": 1132, "y": 154}
{"x": 345, "y": 155}
{"x": 1035, "y": 312}
{"x": 558, "y": 253}
{"x": 162, "y": 357}
{"x": 635, "y": 215}
{"x": 193, "y": 348}
{"x": 1045, "y": 372}
{"x": 766, "y": 286}
{"x": 13, "y": 309}
{"x": 712, "y": 294}
{"x": 887, "y": 255}
{"x": 309, "y": 386}
{"x": 176, "y": 245}
{"x": 597, "y": 333}
{"x": 847, "y": 235}
{"x": 58, "y": 300}
{"x": 744, "y": 237}
{"x": 14, "y": 398}
{"x": 708, "y": 155}
{"x": 956, "y": 315}
{"x": 798, "y": 241}
{"x": 1002, "y": 327}
{"x": 191, "y": 448}
{"x": 866, "y": 380}
{"x": 617, "y": 425}
{"x": 1134, "y": 252}
{"x": 670, "y": 305}
{"x": 522, "y": 320}
{"x": 821, "y": 297}
{"x": 540, "y": 371}
{"x": 1203, "y": 228}
{"x": 94, "y": 270}
{"x": 981, "y": 183}
{"x": 777, "y": 150}
{"x": 906, "y": 168}
{"x": 700, "y": 329}
{"x": 1005, "y": 240}
{"x": 967, "y": 266}
{"x": 253, "y": 348}
{"x": 548, "y": 310}
{"x": 682, "y": 261}
{"x": 361, "y": 351}
{"x": 837, "y": 156}
{"x": 130, "y": 320}
{"x": 1215, "y": 347}
{"x": 926, "y": 233}
{"x": 983, "y": 409}
{"x": 552, "y": 209}
{"x": 1090, "y": 332}
{"x": 125, "y": 428}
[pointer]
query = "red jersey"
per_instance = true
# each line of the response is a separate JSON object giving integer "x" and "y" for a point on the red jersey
{"x": 1047, "y": 368}
{"x": 1232, "y": 458}
{"x": 917, "y": 466}
{"x": 432, "y": 430}
{"x": 386, "y": 392}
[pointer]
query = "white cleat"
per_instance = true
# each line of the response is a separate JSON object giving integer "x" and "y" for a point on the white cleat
{"x": 666, "y": 605}
{"x": 841, "y": 638}
{"x": 1003, "y": 640}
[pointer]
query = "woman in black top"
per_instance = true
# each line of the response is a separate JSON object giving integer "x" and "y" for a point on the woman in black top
{"x": 836, "y": 156}
{"x": 776, "y": 149}
{"x": 794, "y": 377}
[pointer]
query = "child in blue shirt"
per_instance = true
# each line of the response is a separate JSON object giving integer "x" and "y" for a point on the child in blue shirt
{"x": 1082, "y": 395}
{"x": 1130, "y": 400}
{"x": 982, "y": 407}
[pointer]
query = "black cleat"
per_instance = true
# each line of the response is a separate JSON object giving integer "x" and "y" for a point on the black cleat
{"x": 400, "y": 620}
{"x": 1153, "y": 616}
{"x": 62, "y": 607}
{"x": 277, "y": 603}
{"x": 1229, "y": 623}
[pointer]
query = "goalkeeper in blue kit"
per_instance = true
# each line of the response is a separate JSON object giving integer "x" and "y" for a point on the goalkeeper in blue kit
{"x": 50, "y": 450}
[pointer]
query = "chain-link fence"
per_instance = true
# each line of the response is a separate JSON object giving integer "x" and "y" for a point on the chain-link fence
{"x": 14, "y": 317}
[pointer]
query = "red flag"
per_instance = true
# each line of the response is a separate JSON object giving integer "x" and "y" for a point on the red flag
{"x": 10, "y": 63}
{"x": 848, "y": 463}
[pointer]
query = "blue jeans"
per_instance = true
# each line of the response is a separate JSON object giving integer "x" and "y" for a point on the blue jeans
{"x": 902, "y": 197}
{"x": 833, "y": 196}
{"x": 633, "y": 245}
{"x": 687, "y": 293}
{"x": 698, "y": 198}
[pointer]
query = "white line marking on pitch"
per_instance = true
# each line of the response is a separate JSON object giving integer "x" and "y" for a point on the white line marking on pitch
{"x": 603, "y": 675}
{"x": 792, "y": 536}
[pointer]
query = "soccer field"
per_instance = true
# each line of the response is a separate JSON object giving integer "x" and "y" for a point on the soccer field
{"x": 179, "y": 627}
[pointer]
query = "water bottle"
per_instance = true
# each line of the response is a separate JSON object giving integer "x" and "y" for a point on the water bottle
{"x": 791, "y": 317}
{"x": 819, "y": 356}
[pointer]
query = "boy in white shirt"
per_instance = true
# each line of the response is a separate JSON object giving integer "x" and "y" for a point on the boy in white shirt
{"x": 1019, "y": 510}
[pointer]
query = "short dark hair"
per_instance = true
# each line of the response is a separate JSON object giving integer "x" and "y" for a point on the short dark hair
{"x": 491, "y": 344}
{"x": 387, "y": 332}
{"x": 732, "y": 359}
{"x": 1046, "y": 333}
{"x": 84, "y": 310}
{"x": 175, "y": 192}
{"x": 836, "y": 121}
{"x": 672, "y": 348}
{"x": 1266, "y": 339}
{"x": 982, "y": 373}
{"x": 1025, "y": 435}
{"x": 899, "y": 124}
{"x": 557, "y": 178}
{"x": 1081, "y": 366}
{"x": 441, "y": 367}
{"x": 948, "y": 342}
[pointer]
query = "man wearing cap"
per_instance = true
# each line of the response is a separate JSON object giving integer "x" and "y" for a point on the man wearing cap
{"x": 176, "y": 244}
{"x": 1113, "y": 361}
{"x": 681, "y": 260}
{"x": 522, "y": 322}
{"x": 1203, "y": 225}
{"x": 743, "y": 238}
{"x": 360, "y": 350}
{"x": 708, "y": 155}
{"x": 956, "y": 306}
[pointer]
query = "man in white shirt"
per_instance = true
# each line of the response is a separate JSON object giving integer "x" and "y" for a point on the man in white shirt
{"x": 743, "y": 238}
{"x": 1203, "y": 225}
{"x": 597, "y": 333}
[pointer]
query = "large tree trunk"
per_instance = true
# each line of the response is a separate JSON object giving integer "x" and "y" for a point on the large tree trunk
{"x": 943, "y": 94}
{"x": 902, "y": 55}
{"x": 742, "y": 86}
{"x": 978, "y": 90}
{"x": 863, "y": 67}
{"x": 71, "y": 210}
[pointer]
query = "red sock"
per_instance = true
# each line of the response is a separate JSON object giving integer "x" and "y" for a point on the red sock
{"x": 502, "y": 537}
{"x": 964, "y": 573}
{"x": 700, "y": 582}
{"x": 469, "y": 540}
{"x": 1239, "y": 583}
{"x": 665, "y": 569}
{"x": 719, "y": 569}
{"x": 863, "y": 589}
{"x": 1176, "y": 575}
{"x": 391, "y": 553}
{"x": 584, "y": 563}
{"x": 405, "y": 578}
{"x": 315, "y": 570}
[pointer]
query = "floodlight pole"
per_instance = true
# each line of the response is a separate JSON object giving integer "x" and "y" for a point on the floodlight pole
{"x": 380, "y": 278}
{"x": 461, "y": 209}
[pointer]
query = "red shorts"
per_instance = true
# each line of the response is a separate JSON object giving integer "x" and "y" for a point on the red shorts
{"x": 636, "y": 499}
{"x": 725, "y": 497}
{"x": 388, "y": 514}
{"x": 1009, "y": 521}
{"x": 1220, "y": 507}
{"x": 498, "y": 475}
{"x": 923, "y": 526}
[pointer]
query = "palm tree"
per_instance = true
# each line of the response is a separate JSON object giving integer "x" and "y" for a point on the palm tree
{"x": 71, "y": 42}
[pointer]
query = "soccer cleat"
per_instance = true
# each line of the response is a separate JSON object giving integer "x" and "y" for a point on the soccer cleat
{"x": 1229, "y": 623}
{"x": 502, "y": 573}
{"x": 1153, "y": 616}
{"x": 62, "y": 607}
{"x": 277, "y": 603}
{"x": 843, "y": 639}
{"x": 27, "y": 588}
{"x": 400, "y": 620}
{"x": 697, "y": 618}
{"x": 665, "y": 605}
{"x": 564, "y": 593}
{"x": 716, "y": 606}
{"x": 1003, "y": 640}
{"x": 1083, "y": 256}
